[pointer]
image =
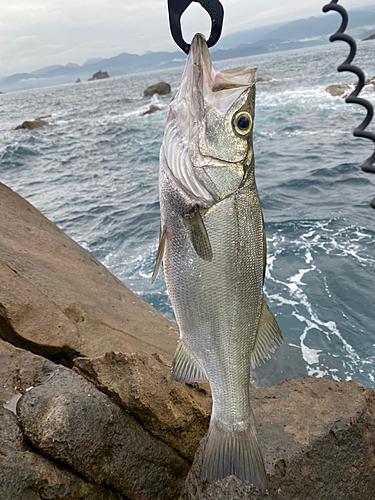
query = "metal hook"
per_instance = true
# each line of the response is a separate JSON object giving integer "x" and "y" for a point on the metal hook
{"x": 177, "y": 7}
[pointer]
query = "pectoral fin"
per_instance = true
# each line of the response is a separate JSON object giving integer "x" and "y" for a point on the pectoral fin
{"x": 268, "y": 338}
{"x": 197, "y": 233}
{"x": 159, "y": 255}
{"x": 185, "y": 368}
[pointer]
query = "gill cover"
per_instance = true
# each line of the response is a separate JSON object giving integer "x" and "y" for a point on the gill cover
{"x": 207, "y": 145}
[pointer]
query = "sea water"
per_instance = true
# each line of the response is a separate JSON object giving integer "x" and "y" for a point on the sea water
{"x": 94, "y": 172}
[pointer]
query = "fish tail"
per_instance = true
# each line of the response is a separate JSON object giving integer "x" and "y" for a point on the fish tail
{"x": 233, "y": 453}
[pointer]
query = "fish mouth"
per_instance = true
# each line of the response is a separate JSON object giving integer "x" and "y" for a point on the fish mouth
{"x": 200, "y": 72}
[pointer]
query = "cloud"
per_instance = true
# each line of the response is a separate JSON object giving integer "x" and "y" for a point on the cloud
{"x": 37, "y": 33}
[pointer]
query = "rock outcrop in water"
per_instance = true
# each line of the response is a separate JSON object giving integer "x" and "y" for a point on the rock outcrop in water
{"x": 111, "y": 425}
{"x": 161, "y": 88}
{"x": 339, "y": 90}
{"x": 343, "y": 89}
{"x": 33, "y": 124}
{"x": 152, "y": 109}
{"x": 99, "y": 75}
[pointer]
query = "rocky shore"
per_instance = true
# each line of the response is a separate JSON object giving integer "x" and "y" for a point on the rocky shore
{"x": 88, "y": 410}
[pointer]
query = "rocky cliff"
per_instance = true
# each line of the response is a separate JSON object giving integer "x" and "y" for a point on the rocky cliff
{"x": 88, "y": 409}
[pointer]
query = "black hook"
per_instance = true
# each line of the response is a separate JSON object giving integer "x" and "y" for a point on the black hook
{"x": 369, "y": 165}
{"x": 177, "y": 7}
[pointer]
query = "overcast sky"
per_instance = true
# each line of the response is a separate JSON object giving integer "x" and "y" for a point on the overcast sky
{"x": 38, "y": 33}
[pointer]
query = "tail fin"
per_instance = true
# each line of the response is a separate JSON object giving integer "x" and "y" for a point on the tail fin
{"x": 233, "y": 453}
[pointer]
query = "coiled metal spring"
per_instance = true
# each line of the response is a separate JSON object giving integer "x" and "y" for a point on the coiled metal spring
{"x": 353, "y": 98}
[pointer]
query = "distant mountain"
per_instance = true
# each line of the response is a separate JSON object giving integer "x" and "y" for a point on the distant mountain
{"x": 246, "y": 37}
{"x": 313, "y": 27}
{"x": 92, "y": 61}
{"x": 277, "y": 37}
{"x": 322, "y": 25}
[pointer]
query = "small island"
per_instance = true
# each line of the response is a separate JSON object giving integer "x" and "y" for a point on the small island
{"x": 99, "y": 75}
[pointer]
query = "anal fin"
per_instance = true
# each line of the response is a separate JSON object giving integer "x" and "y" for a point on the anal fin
{"x": 195, "y": 227}
{"x": 185, "y": 367}
{"x": 268, "y": 338}
{"x": 160, "y": 254}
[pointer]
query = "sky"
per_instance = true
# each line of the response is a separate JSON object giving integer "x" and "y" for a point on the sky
{"x": 39, "y": 33}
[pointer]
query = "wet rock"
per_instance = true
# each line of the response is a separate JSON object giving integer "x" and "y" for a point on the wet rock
{"x": 339, "y": 90}
{"x": 78, "y": 80}
{"x": 371, "y": 37}
{"x": 318, "y": 441}
{"x": 70, "y": 420}
{"x": 31, "y": 125}
{"x": 161, "y": 88}
{"x": 151, "y": 109}
{"x": 176, "y": 413}
{"x": 57, "y": 300}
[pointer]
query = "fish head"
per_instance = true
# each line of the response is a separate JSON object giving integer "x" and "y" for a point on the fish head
{"x": 212, "y": 117}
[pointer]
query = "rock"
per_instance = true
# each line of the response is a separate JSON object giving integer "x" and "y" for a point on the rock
{"x": 57, "y": 300}
{"x": 339, "y": 90}
{"x": 176, "y": 413}
{"x": 152, "y": 109}
{"x": 20, "y": 370}
{"x": 25, "y": 473}
{"x": 31, "y": 125}
{"x": 70, "y": 420}
{"x": 161, "y": 88}
{"x": 371, "y": 37}
{"x": 264, "y": 79}
{"x": 78, "y": 80}
{"x": 370, "y": 81}
{"x": 318, "y": 441}
{"x": 99, "y": 75}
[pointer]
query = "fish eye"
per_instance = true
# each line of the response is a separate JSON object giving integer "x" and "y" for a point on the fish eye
{"x": 243, "y": 123}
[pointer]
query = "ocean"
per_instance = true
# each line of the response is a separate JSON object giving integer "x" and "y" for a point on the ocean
{"x": 94, "y": 173}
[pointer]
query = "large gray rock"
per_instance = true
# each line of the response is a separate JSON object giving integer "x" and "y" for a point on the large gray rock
{"x": 317, "y": 439}
{"x": 24, "y": 473}
{"x": 57, "y": 300}
{"x": 176, "y": 413}
{"x": 70, "y": 420}
{"x": 161, "y": 88}
{"x": 27, "y": 475}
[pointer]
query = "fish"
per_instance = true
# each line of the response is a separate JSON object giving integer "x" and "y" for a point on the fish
{"x": 212, "y": 247}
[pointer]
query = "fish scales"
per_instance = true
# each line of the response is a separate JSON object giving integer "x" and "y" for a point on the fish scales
{"x": 212, "y": 247}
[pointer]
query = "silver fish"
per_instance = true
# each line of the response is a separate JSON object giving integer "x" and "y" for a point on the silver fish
{"x": 212, "y": 247}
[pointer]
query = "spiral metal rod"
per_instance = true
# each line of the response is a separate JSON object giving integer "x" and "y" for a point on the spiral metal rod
{"x": 353, "y": 98}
